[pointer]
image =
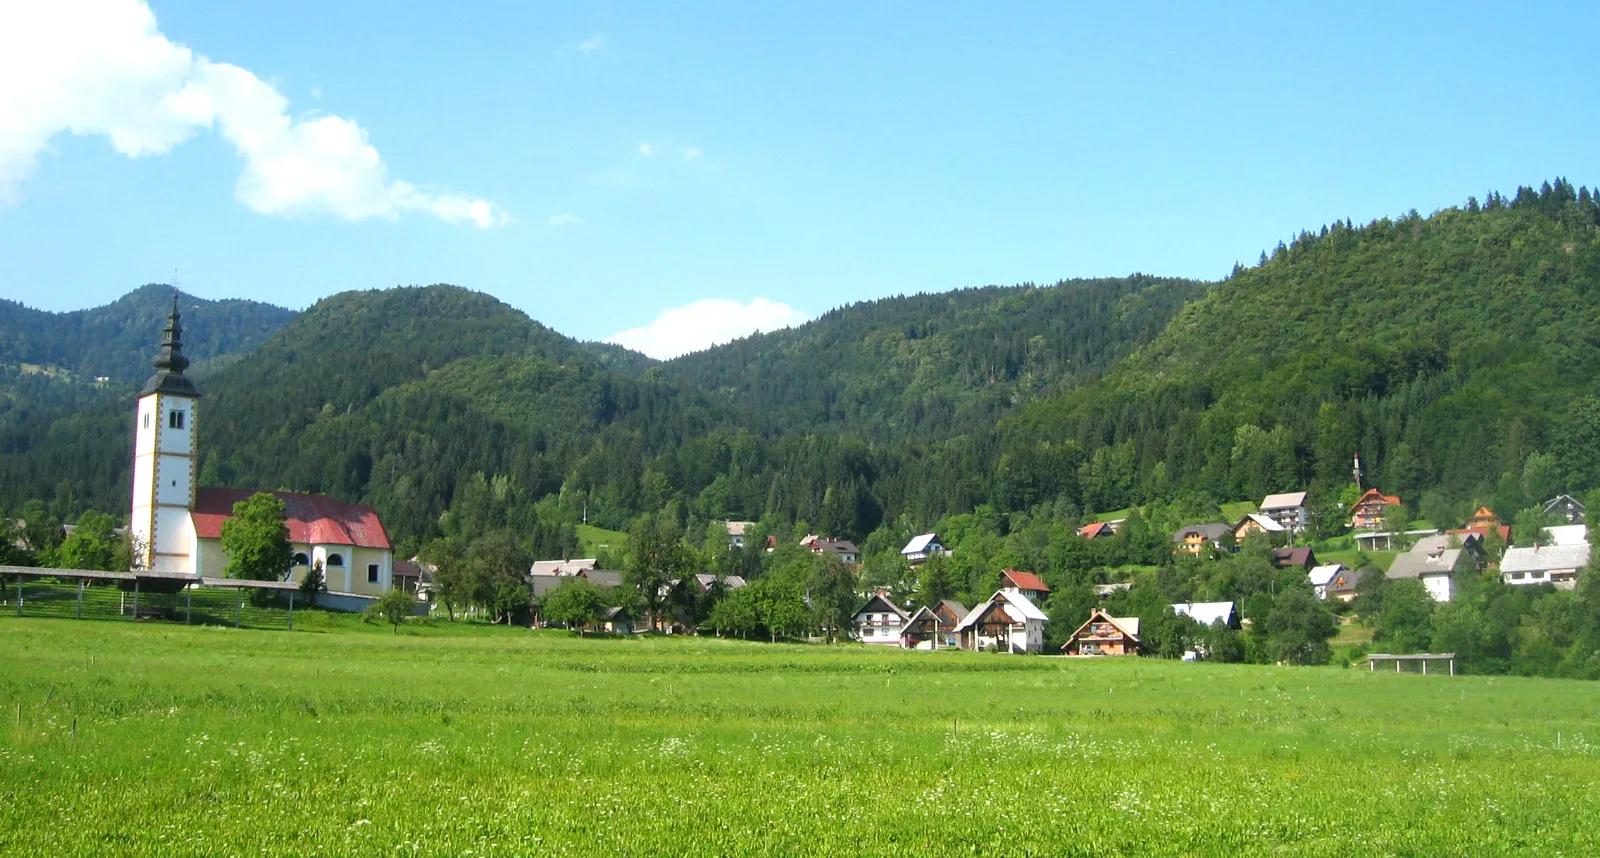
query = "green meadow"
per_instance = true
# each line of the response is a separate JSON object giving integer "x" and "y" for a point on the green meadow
{"x": 472, "y": 740}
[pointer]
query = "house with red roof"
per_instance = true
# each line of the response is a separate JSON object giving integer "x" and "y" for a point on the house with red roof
{"x": 1368, "y": 511}
{"x": 1098, "y": 530}
{"x": 1026, "y": 583}
{"x": 177, "y": 524}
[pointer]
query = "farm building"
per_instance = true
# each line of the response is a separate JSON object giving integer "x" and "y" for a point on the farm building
{"x": 1104, "y": 634}
{"x": 1008, "y": 622}
{"x": 933, "y": 627}
{"x": 880, "y": 621}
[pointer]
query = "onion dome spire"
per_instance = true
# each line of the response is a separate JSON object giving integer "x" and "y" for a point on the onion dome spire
{"x": 170, "y": 362}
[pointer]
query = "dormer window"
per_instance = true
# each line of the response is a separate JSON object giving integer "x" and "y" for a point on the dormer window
{"x": 175, "y": 420}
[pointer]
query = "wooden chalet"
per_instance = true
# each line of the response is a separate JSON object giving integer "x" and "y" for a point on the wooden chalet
{"x": 1565, "y": 507}
{"x": 1368, "y": 512}
{"x": 1104, "y": 634}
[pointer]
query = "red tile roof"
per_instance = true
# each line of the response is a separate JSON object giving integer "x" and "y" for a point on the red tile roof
{"x": 312, "y": 519}
{"x": 1025, "y": 580}
{"x": 1090, "y": 531}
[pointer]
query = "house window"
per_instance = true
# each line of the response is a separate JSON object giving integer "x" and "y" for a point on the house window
{"x": 372, "y": 573}
{"x": 300, "y": 559}
{"x": 175, "y": 420}
{"x": 335, "y": 559}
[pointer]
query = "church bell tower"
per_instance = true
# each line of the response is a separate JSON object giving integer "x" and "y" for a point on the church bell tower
{"x": 165, "y": 440}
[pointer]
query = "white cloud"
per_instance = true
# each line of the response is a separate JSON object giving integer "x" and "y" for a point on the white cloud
{"x": 691, "y": 152}
{"x": 646, "y": 149}
{"x": 562, "y": 220}
{"x": 102, "y": 67}
{"x": 704, "y": 324}
{"x": 592, "y": 44}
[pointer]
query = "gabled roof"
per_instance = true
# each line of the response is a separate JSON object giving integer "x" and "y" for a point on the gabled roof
{"x": 1017, "y": 607}
{"x": 1346, "y": 581}
{"x": 1323, "y": 575}
{"x": 1545, "y": 558}
{"x": 1205, "y": 613}
{"x": 1266, "y": 523}
{"x": 954, "y": 607}
{"x": 1127, "y": 625}
{"x": 835, "y": 546}
{"x": 1024, "y": 580}
{"x": 738, "y": 528}
{"x": 1211, "y": 531}
{"x": 1414, "y": 563}
{"x": 1289, "y": 500}
{"x": 919, "y": 544}
{"x": 312, "y": 519}
{"x": 1096, "y": 529}
{"x": 562, "y": 567}
{"x": 1299, "y": 555}
{"x": 1563, "y": 500}
{"x": 1373, "y": 495}
{"x": 706, "y": 579}
{"x": 881, "y": 604}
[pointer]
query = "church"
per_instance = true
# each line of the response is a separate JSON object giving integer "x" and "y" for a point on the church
{"x": 177, "y": 525}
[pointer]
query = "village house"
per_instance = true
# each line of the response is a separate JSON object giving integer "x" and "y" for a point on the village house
{"x": 880, "y": 621}
{"x": 1558, "y": 565}
{"x": 1367, "y": 512}
{"x": 1196, "y": 539}
{"x": 1437, "y": 561}
{"x": 844, "y": 549}
{"x": 177, "y": 524}
{"x": 1026, "y": 583}
{"x": 1564, "y": 507}
{"x": 1098, "y": 530}
{"x": 1295, "y": 556}
{"x": 933, "y": 627}
{"x": 562, "y": 568}
{"x": 1483, "y": 518}
{"x": 1255, "y": 523}
{"x": 737, "y": 530}
{"x": 1322, "y": 579}
{"x": 1104, "y": 634}
{"x": 1343, "y": 587}
{"x": 1288, "y": 510}
{"x": 1007, "y": 622}
{"x": 922, "y": 547}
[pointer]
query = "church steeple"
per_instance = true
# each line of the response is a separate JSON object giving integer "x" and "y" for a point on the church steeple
{"x": 170, "y": 361}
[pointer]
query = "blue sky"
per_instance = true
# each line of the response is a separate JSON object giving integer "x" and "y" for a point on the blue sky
{"x": 600, "y": 165}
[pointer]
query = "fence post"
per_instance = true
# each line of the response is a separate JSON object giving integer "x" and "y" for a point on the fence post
{"x": 19, "y": 595}
{"x": 188, "y": 598}
{"x": 239, "y": 620}
{"x": 136, "y": 599}
{"x": 291, "y": 610}
{"x": 80, "y": 598}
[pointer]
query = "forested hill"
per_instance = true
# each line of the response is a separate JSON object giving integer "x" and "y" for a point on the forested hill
{"x": 934, "y": 365}
{"x": 115, "y": 340}
{"x": 1459, "y": 354}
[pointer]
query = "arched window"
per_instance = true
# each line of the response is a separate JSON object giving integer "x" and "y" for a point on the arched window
{"x": 300, "y": 559}
{"x": 335, "y": 559}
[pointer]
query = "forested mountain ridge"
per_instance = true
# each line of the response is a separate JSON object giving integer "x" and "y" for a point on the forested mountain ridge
{"x": 930, "y": 366}
{"x": 1453, "y": 352}
{"x": 114, "y": 340}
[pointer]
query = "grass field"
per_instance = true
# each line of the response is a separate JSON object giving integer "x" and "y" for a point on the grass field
{"x": 495, "y": 741}
{"x": 591, "y": 538}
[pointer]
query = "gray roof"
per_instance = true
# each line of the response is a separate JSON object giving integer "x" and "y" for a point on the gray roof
{"x": 1289, "y": 500}
{"x": 1417, "y": 562}
{"x": 1545, "y": 558}
{"x": 1211, "y": 531}
{"x": 919, "y": 544}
